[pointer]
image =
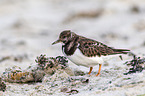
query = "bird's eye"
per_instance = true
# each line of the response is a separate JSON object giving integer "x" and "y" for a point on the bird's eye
{"x": 64, "y": 37}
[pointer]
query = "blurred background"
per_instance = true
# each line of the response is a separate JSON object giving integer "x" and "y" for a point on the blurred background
{"x": 28, "y": 27}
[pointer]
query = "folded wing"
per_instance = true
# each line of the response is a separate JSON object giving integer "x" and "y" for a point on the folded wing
{"x": 92, "y": 48}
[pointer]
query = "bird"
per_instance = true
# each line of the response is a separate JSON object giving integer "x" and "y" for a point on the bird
{"x": 86, "y": 52}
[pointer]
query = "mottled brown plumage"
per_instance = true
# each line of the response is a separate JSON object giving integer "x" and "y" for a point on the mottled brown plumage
{"x": 91, "y": 48}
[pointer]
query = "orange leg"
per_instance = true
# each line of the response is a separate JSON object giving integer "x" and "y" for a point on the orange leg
{"x": 99, "y": 70}
{"x": 91, "y": 68}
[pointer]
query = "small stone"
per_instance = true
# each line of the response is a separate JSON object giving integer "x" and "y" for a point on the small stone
{"x": 73, "y": 91}
{"x": 64, "y": 89}
{"x": 79, "y": 73}
{"x": 85, "y": 81}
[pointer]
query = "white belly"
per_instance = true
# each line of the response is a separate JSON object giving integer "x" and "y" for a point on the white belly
{"x": 79, "y": 59}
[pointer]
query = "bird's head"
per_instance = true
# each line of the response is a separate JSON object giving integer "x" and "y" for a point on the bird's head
{"x": 64, "y": 37}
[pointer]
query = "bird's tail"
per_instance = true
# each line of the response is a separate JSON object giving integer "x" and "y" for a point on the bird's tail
{"x": 125, "y": 51}
{"x": 121, "y": 51}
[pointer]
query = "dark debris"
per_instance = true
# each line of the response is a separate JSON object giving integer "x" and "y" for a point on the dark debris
{"x": 73, "y": 91}
{"x": 79, "y": 73}
{"x": 63, "y": 61}
{"x": 68, "y": 90}
{"x": 4, "y": 58}
{"x": 2, "y": 85}
{"x": 18, "y": 58}
{"x": 41, "y": 60}
{"x": 135, "y": 9}
{"x": 78, "y": 78}
{"x": 50, "y": 62}
{"x": 137, "y": 65}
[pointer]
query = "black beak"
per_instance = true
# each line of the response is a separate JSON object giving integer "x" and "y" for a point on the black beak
{"x": 58, "y": 41}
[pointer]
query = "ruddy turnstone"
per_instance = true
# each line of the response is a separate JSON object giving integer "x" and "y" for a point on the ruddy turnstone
{"x": 86, "y": 52}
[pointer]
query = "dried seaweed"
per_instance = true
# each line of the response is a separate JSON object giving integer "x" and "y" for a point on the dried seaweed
{"x": 51, "y": 62}
{"x": 2, "y": 85}
{"x": 63, "y": 61}
{"x": 42, "y": 60}
{"x": 45, "y": 65}
{"x": 137, "y": 65}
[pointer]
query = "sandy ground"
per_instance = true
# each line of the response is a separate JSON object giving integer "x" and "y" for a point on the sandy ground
{"x": 28, "y": 27}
